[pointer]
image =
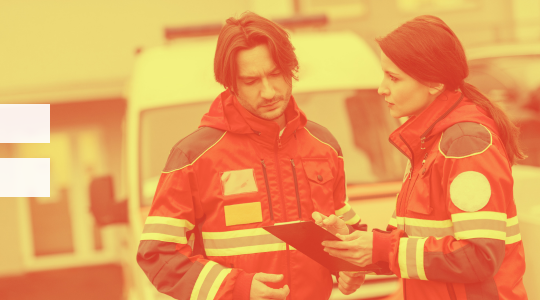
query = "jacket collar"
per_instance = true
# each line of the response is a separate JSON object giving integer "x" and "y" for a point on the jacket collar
{"x": 417, "y": 135}
{"x": 226, "y": 113}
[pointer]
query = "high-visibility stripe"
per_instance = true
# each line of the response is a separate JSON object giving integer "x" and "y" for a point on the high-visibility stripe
{"x": 164, "y": 238}
{"x": 418, "y": 231}
{"x": 511, "y": 221}
{"x": 169, "y": 221}
{"x": 425, "y": 223}
{"x": 353, "y": 220}
{"x": 191, "y": 241}
{"x": 480, "y": 224}
{"x": 343, "y": 210}
{"x": 247, "y": 250}
{"x": 402, "y": 257}
{"x": 234, "y": 233}
{"x": 412, "y": 271}
{"x": 479, "y": 215}
{"x": 245, "y": 241}
{"x": 481, "y": 233}
{"x": 393, "y": 222}
{"x": 348, "y": 215}
{"x": 208, "y": 281}
{"x": 513, "y": 239}
{"x": 165, "y": 229}
{"x": 217, "y": 283}
{"x": 420, "y": 259}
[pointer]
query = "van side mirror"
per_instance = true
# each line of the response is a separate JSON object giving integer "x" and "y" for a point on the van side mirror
{"x": 103, "y": 205}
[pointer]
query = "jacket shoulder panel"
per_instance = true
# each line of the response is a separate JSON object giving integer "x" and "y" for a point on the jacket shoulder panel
{"x": 465, "y": 139}
{"x": 193, "y": 146}
{"x": 324, "y": 136}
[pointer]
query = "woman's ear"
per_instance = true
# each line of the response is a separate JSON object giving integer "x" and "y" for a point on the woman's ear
{"x": 435, "y": 88}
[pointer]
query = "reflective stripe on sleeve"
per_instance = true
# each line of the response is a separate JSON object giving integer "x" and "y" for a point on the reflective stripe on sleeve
{"x": 424, "y": 228}
{"x": 348, "y": 215}
{"x": 411, "y": 258}
{"x": 393, "y": 220}
{"x": 482, "y": 224}
{"x": 513, "y": 234}
{"x": 209, "y": 281}
{"x": 240, "y": 242}
{"x": 166, "y": 229}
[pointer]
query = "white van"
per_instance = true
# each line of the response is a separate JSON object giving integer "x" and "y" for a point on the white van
{"x": 173, "y": 85}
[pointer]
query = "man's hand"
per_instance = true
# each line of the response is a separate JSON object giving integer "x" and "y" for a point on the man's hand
{"x": 259, "y": 290}
{"x": 355, "y": 248}
{"x": 349, "y": 282}
{"x": 332, "y": 223}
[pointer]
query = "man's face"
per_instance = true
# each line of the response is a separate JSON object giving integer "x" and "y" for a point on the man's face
{"x": 405, "y": 95}
{"x": 261, "y": 87}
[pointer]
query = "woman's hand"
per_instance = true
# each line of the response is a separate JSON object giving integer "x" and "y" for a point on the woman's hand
{"x": 355, "y": 248}
{"x": 332, "y": 223}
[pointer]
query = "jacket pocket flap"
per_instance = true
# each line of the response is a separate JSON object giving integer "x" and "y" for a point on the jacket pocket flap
{"x": 318, "y": 170}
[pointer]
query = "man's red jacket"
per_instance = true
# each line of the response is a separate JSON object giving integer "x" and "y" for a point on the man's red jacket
{"x": 222, "y": 183}
{"x": 455, "y": 233}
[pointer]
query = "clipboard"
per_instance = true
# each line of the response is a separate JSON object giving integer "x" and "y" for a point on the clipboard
{"x": 306, "y": 237}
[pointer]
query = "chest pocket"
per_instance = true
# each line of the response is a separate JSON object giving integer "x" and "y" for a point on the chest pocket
{"x": 321, "y": 182}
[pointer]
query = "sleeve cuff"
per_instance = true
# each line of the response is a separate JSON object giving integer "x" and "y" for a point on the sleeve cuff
{"x": 381, "y": 245}
{"x": 242, "y": 286}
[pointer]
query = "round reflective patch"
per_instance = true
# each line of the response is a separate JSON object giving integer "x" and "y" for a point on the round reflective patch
{"x": 470, "y": 191}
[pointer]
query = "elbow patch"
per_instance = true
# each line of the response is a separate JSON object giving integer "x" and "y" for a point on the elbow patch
{"x": 465, "y": 139}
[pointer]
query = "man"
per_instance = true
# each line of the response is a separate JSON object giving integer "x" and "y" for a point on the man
{"x": 254, "y": 161}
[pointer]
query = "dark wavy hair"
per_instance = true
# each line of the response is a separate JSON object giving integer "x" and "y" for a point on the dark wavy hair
{"x": 246, "y": 32}
{"x": 429, "y": 51}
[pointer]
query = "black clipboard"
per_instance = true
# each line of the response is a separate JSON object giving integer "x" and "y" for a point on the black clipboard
{"x": 306, "y": 237}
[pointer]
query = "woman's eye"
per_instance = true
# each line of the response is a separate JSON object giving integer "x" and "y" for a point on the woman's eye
{"x": 394, "y": 79}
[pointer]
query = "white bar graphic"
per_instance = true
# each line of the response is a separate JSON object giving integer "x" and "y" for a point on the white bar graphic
{"x": 25, "y": 177}
{"x": 25, "y": 123}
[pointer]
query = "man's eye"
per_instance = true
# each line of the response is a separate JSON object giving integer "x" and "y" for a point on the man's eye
{"x": 250, "y": 82}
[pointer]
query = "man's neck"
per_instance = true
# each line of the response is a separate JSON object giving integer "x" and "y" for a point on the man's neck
{"x": 281, "y": 121}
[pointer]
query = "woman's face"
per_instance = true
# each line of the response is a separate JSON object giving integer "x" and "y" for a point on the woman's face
{"x": 405, "y": 95}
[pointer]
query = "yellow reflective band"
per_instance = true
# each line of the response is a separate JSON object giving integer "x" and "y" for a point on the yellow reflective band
{"x": 353, "y": 220}
{"x": 343, "y": 210}
{"x": 479, "y": 215}
{"x": 428, "y": 223}
{"x": 200, "y": 280}
{"x": 393, "y": 222}
{"x": 513, "y": 239}
{"x": 512, "y": 221}
{"x": 191, "y": 241}
{"x": 217, "y": 283}
{"x": 163, "y": 238}
{"x": 402, "y": 257}
{"x": 246, "y": 250}
{"x": 420, "y": 259}
{"x": 234, "y": 234}
{"x": 169, "y": 221}
{"x": 481, "y": 233}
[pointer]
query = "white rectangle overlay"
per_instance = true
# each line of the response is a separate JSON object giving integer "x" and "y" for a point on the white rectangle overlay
{"x": 25, "y": 123}
{"x": 25, "y": 177}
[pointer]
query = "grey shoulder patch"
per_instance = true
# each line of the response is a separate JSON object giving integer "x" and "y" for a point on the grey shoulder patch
{"x": 324, "y": 135}
{"x": 464, "y": 139}
{"x": 188, "y": 149}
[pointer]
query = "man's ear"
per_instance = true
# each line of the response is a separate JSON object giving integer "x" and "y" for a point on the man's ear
{"x": 435, "y": 88}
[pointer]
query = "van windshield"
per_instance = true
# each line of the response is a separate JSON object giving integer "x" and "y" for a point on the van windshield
{"x": 358, "y": 119}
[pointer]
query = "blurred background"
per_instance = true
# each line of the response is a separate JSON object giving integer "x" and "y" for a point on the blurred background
{"x": 120, "y": 74}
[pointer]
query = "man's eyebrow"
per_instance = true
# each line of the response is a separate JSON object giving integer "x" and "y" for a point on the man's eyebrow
{"x": 257, "y": 77}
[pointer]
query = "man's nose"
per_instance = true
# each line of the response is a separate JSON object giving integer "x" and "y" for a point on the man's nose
{"x": 267, "y": 91}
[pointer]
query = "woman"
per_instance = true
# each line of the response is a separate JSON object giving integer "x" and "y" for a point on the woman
{"x": 454, "y": 233}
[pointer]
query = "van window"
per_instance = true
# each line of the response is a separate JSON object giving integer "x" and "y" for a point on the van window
{"x": 358, "y": 119}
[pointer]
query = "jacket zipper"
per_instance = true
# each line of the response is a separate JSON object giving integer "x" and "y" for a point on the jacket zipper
{"x": 296, "y": 189}
{"x": 451, "y": 291}
{"x": 268, "y": 191}
{"x": 284, "y": 211}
